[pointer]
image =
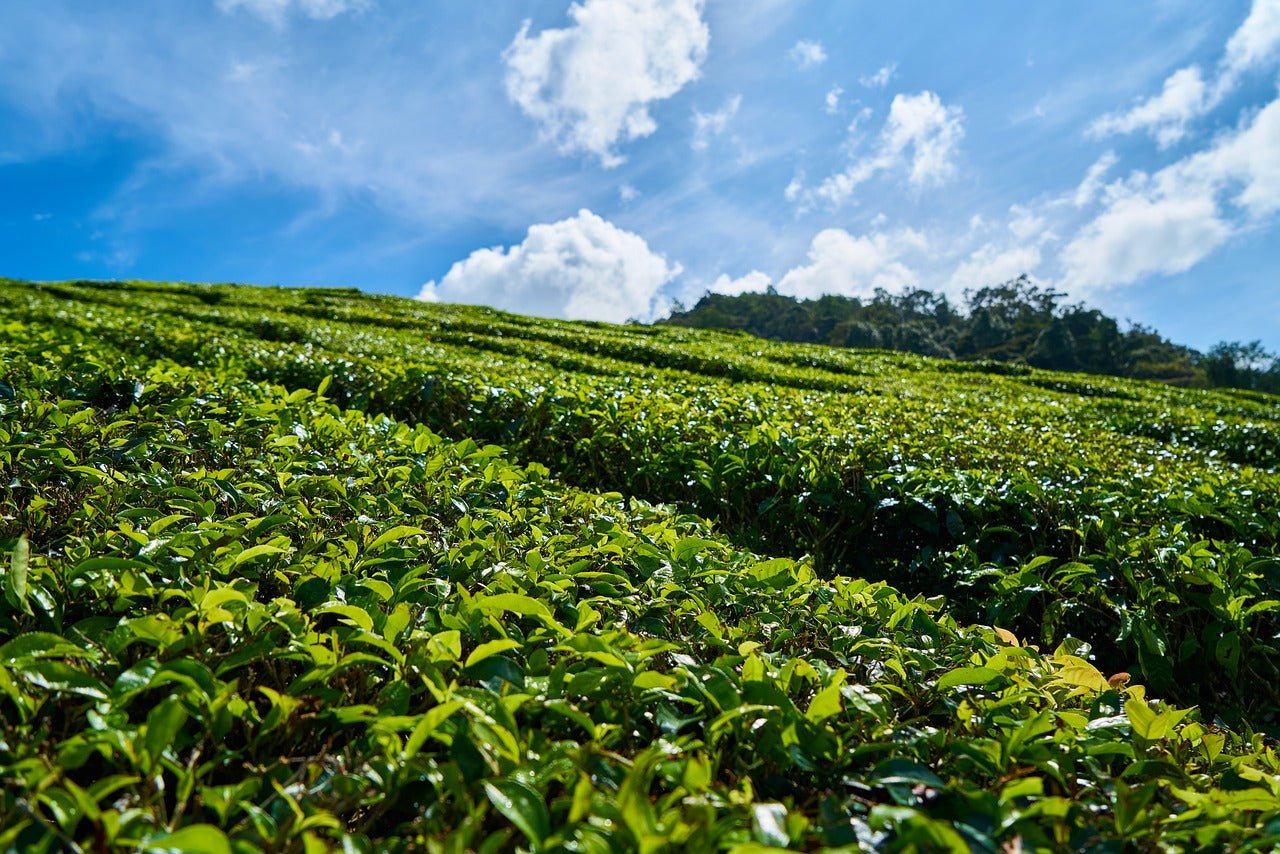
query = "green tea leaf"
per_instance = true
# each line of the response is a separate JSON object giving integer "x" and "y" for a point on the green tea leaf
{"x": 493, "y": 647}
{"x": 829, "y": 701}
{"x": 256, "y": 551}
{"x": 967, "y": 676}
{"x": 192, "y": 839}
{"x": 517, "y": 603}
{"x": 164, "y": 722}
{"x": 399, "y": 532}
{"x": 16, "y": 589}
{"x": 523, "y": 807}
{"x": 1142, "y": 718}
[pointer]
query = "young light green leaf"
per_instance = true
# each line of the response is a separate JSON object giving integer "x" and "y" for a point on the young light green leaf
{"x": 493, "y": 647}
{"x": 1141, "y": 717}
{"x": 399, "y": 532}
{"x": 827, "y": 702}
{"x": 16, "y": 589}
{"x": 192, "y": 839}
{"x": 256, "y": 551}
{"x": 966, "y": 676}
{"x": 517, "y": 603}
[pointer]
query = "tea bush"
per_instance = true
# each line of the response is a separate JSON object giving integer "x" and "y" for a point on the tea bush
{"x": 314, "y": 569}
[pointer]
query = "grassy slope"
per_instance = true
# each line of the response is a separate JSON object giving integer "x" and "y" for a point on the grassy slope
{"x": 483, "y": 641}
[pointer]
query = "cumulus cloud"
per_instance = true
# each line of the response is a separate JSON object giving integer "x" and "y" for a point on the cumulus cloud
{"x": 930, "y": 129}
{"x": 1138, "y": 235}
{"x": 840, "y": 263}
{"x": 921, "y": 135}
{"x": 754, "y": 282}
{"x": 275, "y": 12}
{"x": 808, "y": 54}
{"x": 991, "y": 264}
{"x": 581, "y": 268}
{"x": 1168, "y": 222}
{"x": 1256, "y": 41}
{"x": 590, "y": 85}
{"x": 1185, "y": 97}
{"x": 880, "y": 79}
{"x": 849, "y": 265}
{"x": 708, "y": 125}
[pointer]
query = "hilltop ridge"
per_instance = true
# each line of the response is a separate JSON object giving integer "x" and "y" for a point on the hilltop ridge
{"x": 1017, "y": 322}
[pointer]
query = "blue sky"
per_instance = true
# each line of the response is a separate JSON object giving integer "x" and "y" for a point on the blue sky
{"x": 603, "y": 158}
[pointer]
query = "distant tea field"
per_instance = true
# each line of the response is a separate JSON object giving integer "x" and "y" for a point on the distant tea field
{"x": 307, "y": 569}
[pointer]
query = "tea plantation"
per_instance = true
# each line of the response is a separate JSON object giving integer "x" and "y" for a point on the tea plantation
{"x": 313, "y": 569}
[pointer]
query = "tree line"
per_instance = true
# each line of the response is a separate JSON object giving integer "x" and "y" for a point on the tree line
{"x": 1017, "y": 321}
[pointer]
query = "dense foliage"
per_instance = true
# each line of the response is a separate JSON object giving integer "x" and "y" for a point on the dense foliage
{"x": 1014, "y": 322}
{"x": 270, "y": 581}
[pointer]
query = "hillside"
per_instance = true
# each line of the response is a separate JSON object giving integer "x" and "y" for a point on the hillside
{"x": 312, "y": 568}
{"x": 1017, "y": 322}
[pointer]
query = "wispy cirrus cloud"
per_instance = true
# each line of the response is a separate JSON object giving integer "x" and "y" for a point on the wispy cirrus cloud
{"x": 277, "y": 12}
{"x": 706, "y": 126}
{"x": 1189, "y": 93}
{"x": 880, "y": 78}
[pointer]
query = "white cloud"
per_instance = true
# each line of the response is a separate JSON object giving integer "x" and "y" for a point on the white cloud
{"x": 1139, "y": 235}
{"x": 1244, "y": 160}
{"x": 841, "y": 263}
{"x": 754, "y": 282}
{"x": 808, "y": 54}
{"x": 1185, "y": 97}
{"x": 627, "y": 194}
{"x": 859, "y": 119}
{"x": 991, "y": 265}
{"x": 708, "y": 125}
{"x": 1187, "y": 94}
{"x": 1168, "y": 222}
{"x": 226, "y": 103}
{"x": 1256, "y": 41}
{"x": 275, "y": 12}
{"x": 1091, "y": 185}
{"x": 1026, "y": 225}
{"x": 880, "y": 79}
{"x": 590, "y": 85}
{"x": 930, "y": 129}
{"x": 833, "y": 99}
{"x": 581, "y": 268}
{"x": 795, "y": 188}
{"x": 921, "y": 134}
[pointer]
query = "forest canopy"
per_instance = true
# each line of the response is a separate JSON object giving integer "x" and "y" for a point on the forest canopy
{"x": 1018, "y": 321}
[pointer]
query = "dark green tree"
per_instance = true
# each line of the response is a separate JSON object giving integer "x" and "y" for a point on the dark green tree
{"x": 1055, "y": 348}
